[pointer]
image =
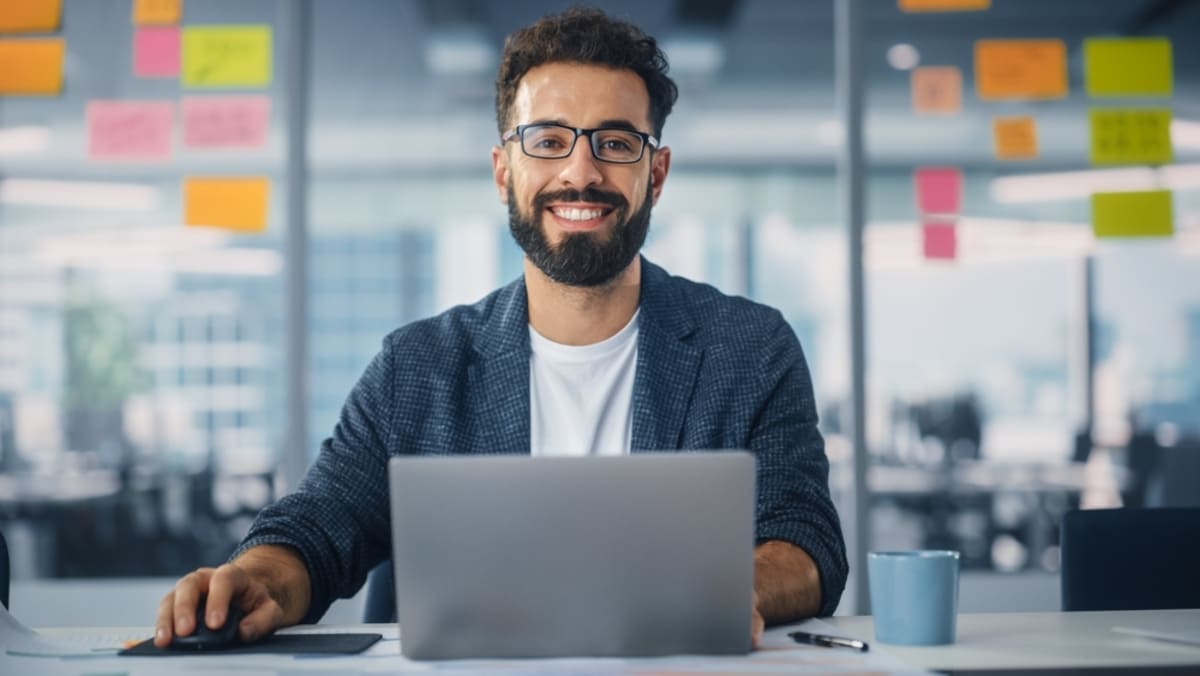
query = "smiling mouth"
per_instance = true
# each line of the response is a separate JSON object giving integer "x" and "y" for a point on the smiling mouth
{"x": 579, "y": 214}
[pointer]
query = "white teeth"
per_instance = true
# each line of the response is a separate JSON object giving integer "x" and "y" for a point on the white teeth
{"x": 572, "y": 214}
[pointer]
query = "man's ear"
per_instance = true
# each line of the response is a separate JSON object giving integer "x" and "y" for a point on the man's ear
{"x": 500, "y": 172}
{"x": 660, "y": 164}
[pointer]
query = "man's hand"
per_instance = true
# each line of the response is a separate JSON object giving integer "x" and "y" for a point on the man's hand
{"x": 756, "y": 625}
{"x": 269, "y": 584}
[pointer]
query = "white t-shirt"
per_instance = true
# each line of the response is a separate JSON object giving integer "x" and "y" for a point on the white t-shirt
{"x": 580, "y": 395}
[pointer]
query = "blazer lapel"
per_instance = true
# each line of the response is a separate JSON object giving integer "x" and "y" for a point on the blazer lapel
{"x": 498, "y": 382}
{"x": 667, "y": 365}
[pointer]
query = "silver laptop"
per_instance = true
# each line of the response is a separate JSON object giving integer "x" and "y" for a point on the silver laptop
{"x": 516, "y": 556}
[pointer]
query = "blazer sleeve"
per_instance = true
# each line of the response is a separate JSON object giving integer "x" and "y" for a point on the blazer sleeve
{"x": 337, "y": 519}
{"x": 794, "y": 504}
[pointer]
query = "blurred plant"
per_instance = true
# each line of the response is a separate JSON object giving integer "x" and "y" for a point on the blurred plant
{"x": 101, "y": 368}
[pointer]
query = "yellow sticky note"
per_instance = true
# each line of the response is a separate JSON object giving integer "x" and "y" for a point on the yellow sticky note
{"x": 235, "y": 203}
{"x": 1020, "y": 69}
{"x": 1015, "y": 138}
{"x": 31, "y": 67}
{"x": 157, "y": 12}
{"x": 1132, "y": 214}
{"x": 1127, "y": 66}
{"x": 943, "y": 5}
{"x": 227, "y": 56}
{"x": 937, "y": 90}
{"x": 1131, "y": 136}
{"x": 30, "y": 16}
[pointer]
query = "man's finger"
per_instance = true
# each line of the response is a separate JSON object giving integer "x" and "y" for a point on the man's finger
{"x": 188, "y": 591}
{"x": 164, "y": 622}
{"x": 227, "y": 585}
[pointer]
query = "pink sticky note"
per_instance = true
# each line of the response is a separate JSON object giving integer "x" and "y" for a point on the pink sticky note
{"x": 940, "y": 241}
{"x": 156, "y": 52}
{"x": 226, "y": 122}
{"x": 130, "y": 130}
{"x": 939, "y": 190}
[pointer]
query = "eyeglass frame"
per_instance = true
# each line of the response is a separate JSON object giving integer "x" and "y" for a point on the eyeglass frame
{"x": 518, "y": 132}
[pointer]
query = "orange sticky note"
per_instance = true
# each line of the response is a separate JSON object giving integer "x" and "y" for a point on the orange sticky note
{"x": 1020, "y": 69}
{"x": 30, "y": 16}
{"x": 31, "y": 67}
{"x": 1015, "y": 138}
{"x": 937, "y": 90}
{"x": 235, "y": 203}
{"x": 157, "y": 12}
{"x": 944, "y": 5}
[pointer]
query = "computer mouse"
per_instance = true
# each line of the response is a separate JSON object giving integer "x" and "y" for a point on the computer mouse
{"x": 203, "y": 638}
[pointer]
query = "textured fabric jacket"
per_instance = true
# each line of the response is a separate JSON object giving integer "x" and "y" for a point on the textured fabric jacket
{"x": 713, "y": 372}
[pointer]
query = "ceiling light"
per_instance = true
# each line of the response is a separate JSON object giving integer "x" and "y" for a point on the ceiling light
{"x": 24, "y": 140}
{"x": 1185, "y": 134}
{"x": 903, "y": 56}
{"x": 80, "y": 194}
{"x": 1069, "y": 185}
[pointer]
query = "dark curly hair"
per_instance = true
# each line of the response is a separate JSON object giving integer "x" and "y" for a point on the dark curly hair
{"x": 585, "y": 35}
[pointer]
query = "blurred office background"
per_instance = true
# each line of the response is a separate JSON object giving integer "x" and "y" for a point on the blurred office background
{"x": 144, "y": 377}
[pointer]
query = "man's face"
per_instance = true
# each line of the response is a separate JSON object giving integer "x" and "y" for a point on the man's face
{"x": 581, "y": 221}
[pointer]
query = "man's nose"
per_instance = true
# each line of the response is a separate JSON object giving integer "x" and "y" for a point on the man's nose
{"x": 581, "y": 169}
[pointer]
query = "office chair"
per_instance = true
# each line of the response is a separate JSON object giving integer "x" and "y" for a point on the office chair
{"x": 381, "y": 594}
{"x": 3, "y": 571}
{"x": 1131, "y": 559}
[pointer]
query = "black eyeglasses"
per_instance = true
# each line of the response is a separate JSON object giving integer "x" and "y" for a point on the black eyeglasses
{"x": 550, "y": 141}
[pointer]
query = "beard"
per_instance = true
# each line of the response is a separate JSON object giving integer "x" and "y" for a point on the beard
{"x": 582, "y": 259}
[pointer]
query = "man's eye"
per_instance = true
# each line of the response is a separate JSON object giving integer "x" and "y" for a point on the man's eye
{"x": 548, "y": 143}
{"x": 616, "y": 144}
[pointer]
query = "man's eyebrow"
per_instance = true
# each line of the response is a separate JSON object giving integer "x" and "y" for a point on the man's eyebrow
{"x": 619, "y": 124}
{"x": 604, "y": 124}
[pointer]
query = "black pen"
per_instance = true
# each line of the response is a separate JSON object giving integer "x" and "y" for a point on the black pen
{"x": 829, "y": 641}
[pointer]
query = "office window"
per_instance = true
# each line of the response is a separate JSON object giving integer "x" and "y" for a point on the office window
{"x": 989, "y": 415}
{"x": 121, "y": 320}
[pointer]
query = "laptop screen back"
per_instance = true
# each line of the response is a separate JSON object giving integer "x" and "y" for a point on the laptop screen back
{"x": 503, "y": 556}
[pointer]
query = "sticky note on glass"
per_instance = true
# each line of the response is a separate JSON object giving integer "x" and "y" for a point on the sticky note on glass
{"x": 943, "y": 5}
{"x": 156, "y": 52}
{"x": 1020, "y": 69}
{"x": 1131, "y": 136}
{"x": 234, "y": 203}
{"x": 1127, "y": 67}
{"x": 226, "y": 56}
{"x": 226, "y": 122}
{"x": 1015, "y": 138}
{"x": 937, "y": 90}
{"x": 939, "y": 241}
{"x": 939, "y": 190}
{"x": 129, "y": 130}
{"x": 1133, "y": 214}
{"x": 30, "y": 16}
{"x": 157, "y": 12}
{"x": 31, "y": 67}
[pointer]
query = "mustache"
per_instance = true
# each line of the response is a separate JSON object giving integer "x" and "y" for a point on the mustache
{"x": 592, "y": 195}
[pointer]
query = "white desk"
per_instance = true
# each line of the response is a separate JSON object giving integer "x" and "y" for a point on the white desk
{"x": 1030, "y": 640}
{"x": 985, "y": 642}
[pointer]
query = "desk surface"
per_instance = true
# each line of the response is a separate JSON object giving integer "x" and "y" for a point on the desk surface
{"x": 1032, "y": 640}
{"x": 988, "y": 641}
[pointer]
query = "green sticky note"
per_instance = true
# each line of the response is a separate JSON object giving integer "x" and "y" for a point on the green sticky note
{"x": 226, "y": 56}
{"x": 1131, "y": 136}
{"x": 1127, "y": 66}
{"x": 1132, "y": 214}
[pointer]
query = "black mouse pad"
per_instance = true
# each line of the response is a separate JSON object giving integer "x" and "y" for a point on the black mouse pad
{"x": 277, "y": 644}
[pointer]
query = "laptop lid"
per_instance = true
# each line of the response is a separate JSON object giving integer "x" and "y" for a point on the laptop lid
{"x": 517, "y": 556}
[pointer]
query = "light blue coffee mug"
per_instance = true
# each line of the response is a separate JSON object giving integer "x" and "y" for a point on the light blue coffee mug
{"x": 914, "y": 596}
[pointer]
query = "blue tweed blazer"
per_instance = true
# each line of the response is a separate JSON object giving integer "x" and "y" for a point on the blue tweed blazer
{"x": 713, "y": 372}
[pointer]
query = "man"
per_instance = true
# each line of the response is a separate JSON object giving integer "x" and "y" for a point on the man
{"x": 595, "y": 351}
